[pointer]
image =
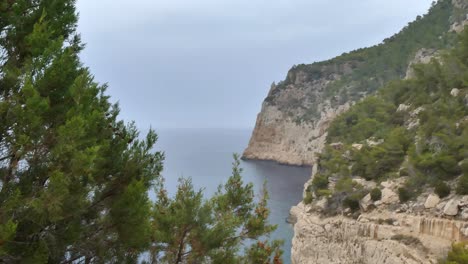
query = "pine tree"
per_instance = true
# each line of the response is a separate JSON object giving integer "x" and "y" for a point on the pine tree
{"x": 74, "y": 179}
{"x": 192, "y": 229}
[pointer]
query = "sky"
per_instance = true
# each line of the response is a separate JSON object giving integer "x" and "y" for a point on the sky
{"x": 210, "y": 63}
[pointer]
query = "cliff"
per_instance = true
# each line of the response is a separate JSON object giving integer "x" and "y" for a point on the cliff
{"x": 291, "y": 126}
{"x": 419, "y": 232}
{"x": 361, "y": 139}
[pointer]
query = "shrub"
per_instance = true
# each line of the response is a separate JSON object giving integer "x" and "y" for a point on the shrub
{"x": 323, "y": 192}
{"x": 376, "y": 194}
{"x": 308, "y": 198}
{"x": 462, "y": 187}
{"x": 404, "y": 194}
{"x": 320, "y": 182}
{"x": 344, "y": 184}
{"x": 404, "y": 172}
{"x": 442, "y": 189}
{"x": 458, "y": 254}
{"x": 351, "y": 202}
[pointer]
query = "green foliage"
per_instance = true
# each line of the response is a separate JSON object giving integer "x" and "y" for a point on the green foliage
{"x": 308, "y": 197}
{"x": 458, "y": 254}
{"x": 368, "y": 118}
{"x": 431, "y": 151}
{"x": 191, "y": 228}
{"x": 352, "y": 202}
{"x": 365, "y": 70}
{"x": 75, "y": 179}
{"x": 320, "y": 182}
{"x": 378, "y": 161}
{"x": 442, "y": 189}
{"x": 376, "y": 194}
{"x": 404, "y": 194}
{"x": 462, "y": 187}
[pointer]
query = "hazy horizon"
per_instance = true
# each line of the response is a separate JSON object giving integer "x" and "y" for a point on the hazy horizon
{"x": 209, "y": 64}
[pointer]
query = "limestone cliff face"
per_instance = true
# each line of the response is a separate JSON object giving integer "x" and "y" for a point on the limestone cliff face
{"x": 421, "y": 231}
{"x": 379, "y": 237}
{"x": 292, "y": 124}
{"x": 294, "y": 118}
{"x": 279, "y": 138}
{"x": 292, "y": 128}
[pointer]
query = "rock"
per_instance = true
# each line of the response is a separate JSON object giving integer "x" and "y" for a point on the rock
{"x": 320, "y": 205}
{"x": 337, "y": 145}
{"x": 440, "y": 206}
{"x": 455, "y": 92}
{"x": 364, "y": 220}
{"x": 371, "y": 142}
{"x": 357, "y": 146}
{"x": 465, "y": 232}
{"x": 418, "y": 208}
{"x": 280, "y": 138}
{"x": 366, "y": 202}
{"x": 403, "y": 107}
{"x": 451, "y": 208}
{"x": 403, "y": 208}
{"x": 294, "y": 212}
{"x": 416, "y": 111}
{"x": 463, "y": 201}
{"x": 389, "y": 196}
{"x": 364, "y": 183}
{"x": 386, "y": 184}
{"x": 432, "y": 201}
{"x": 291, "y": 219}
{"x": 464, "y": 214}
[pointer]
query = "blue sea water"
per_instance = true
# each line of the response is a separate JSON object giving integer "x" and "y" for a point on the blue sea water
{"x": 205, "y": 155}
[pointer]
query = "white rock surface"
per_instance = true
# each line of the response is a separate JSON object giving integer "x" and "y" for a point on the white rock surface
{"x": 451, "y": 208}
{"x": 455, "y": 92}
{"x": 432, "y": 201}
{"x": 389, "y": 196}
{"x": 366, "y": 202}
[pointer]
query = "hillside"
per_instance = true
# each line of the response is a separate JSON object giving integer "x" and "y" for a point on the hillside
{"x": 396, "y": 164}
{"x": 297, "y": 111}
{"x": 386, "y": 131}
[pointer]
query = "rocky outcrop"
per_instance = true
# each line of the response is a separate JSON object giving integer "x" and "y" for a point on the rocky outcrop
{"x": 431, "y": 201}
{"x": 285, "y": 141}
{"x": 292, "y": 127}
{"x": 422, "y": 56}
{"x": 279, "y": 137}
{"x": 375, "y": 237}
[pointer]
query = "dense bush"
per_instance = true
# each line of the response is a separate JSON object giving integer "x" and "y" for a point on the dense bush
{"x": 320, "y": 182}
{"x": 458, "y": 254}
{"x": 404, "y": 194}
{"x": 462, "y": 187}
{"x": 308, "y": 197}
{"x": 352, "y": 201}
{"x": 442, "y": 189}
{"x": 376, "y": 194}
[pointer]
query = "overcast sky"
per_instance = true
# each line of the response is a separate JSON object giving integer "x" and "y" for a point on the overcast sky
{"x": 210, "y": 63}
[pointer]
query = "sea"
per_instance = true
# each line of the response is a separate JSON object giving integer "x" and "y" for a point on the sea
{"x": 206, "y": 156}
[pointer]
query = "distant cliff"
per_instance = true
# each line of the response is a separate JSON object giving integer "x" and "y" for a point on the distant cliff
{"x": 386, "y": 137}
{"x": 294, "y": 118}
